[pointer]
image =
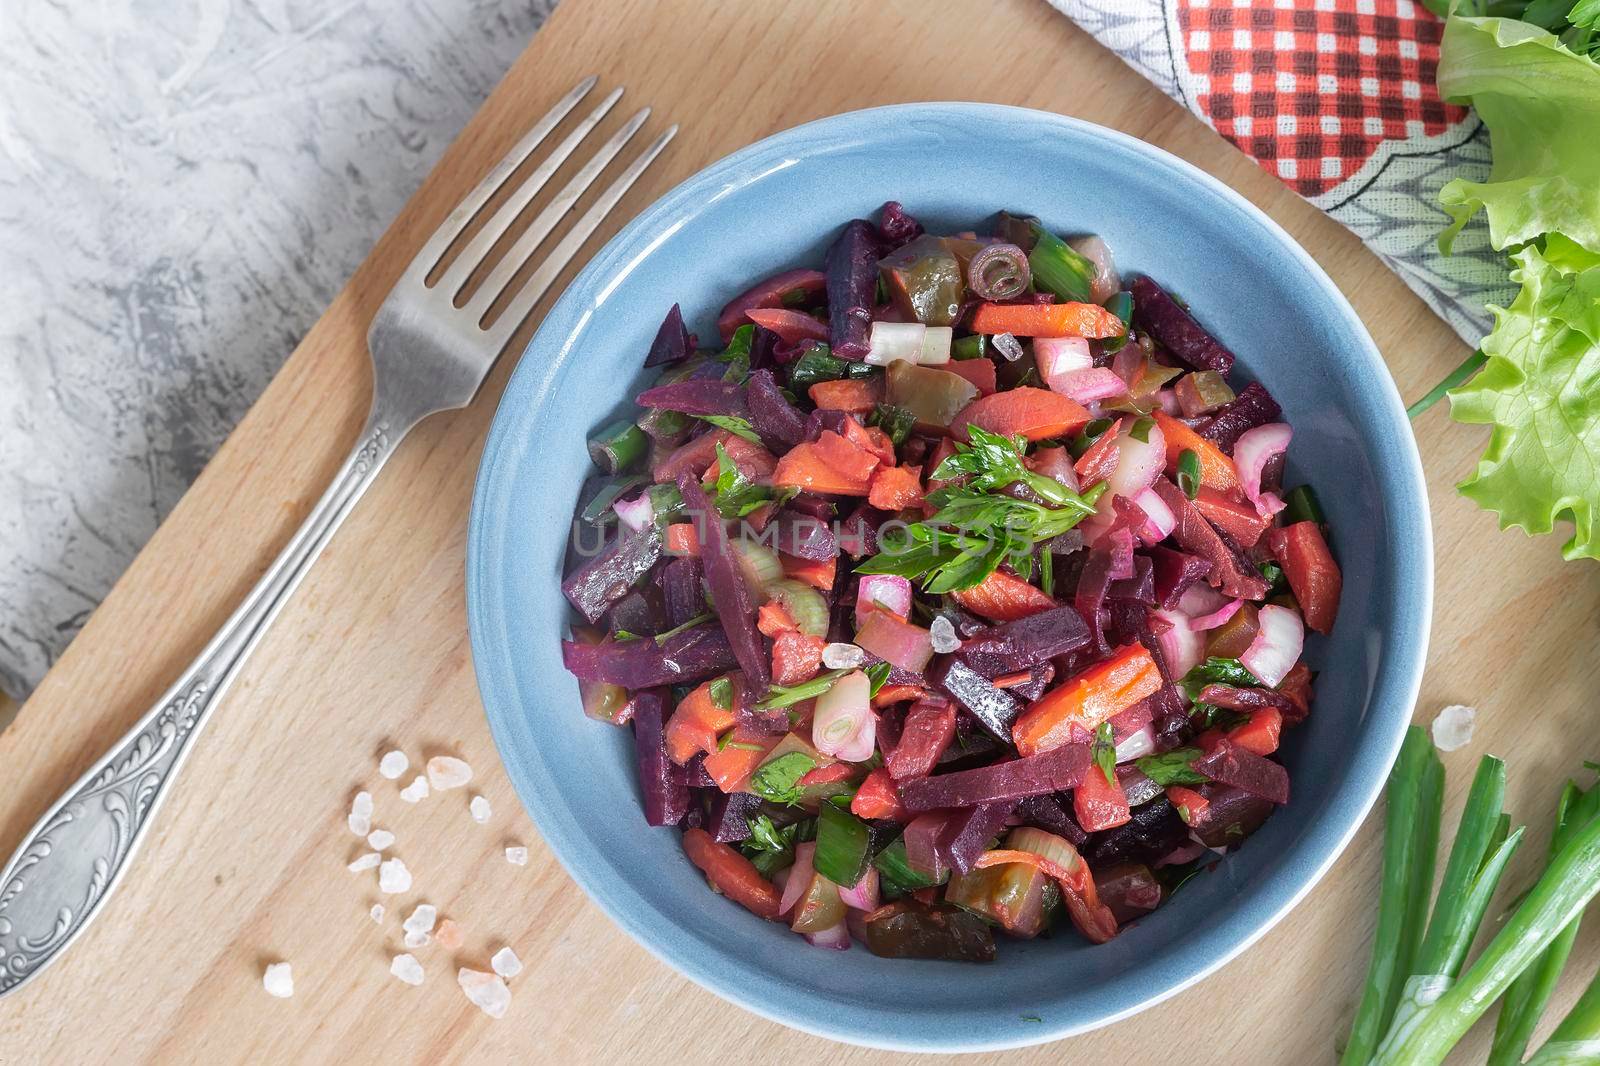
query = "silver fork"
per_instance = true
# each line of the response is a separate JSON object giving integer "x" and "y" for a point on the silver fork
{"x": 427, "y": 355}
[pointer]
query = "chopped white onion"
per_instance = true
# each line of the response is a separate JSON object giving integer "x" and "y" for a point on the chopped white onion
{"x": 1106, "y": 280}
{"x": 1139, "y": 462}
{"x": 936, "y": 341}
{"x": 835, "y": 937}
{"x": 1254, "y": 449}
{"x": 895, "y": 340}
{"x": 865, "y": 896}
{"x": 842, "y": 713}
{"x": 1159, "y": 519}
{"x": 1057, "y": 357}
{"x": 1090, "y": 385}
{"x": 1277, "y": 646}
{"x": 799, "y": 876}
{"x": 1183, "y": 646}
{"x": 890, "y": 591}
{"x": 1136, "y": 745}
{"x": 635, "y": 513}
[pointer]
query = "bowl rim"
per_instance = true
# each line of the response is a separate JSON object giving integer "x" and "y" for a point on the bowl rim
{"x": 1390, "y": 711}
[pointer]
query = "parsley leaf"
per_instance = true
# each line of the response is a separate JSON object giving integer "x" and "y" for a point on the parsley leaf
{"x": 721, "y": 693}
{"x": 1216, "y": 671}
{"x": 877, "y": 674}
{"x": 735, "y": 495}
{"x": 1105, "y": 751}
{"x": 739, "y": 427}
{"x": 777, "y": 780}
{"x": 1173, "y": 767}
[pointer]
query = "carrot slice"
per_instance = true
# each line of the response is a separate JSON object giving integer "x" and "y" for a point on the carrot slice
{"x": 1234, "y": 515}
{"x": 892, "y": 694}
{"x": 1312, "y": 572}
{"x": 796, "y": 657}
{"x": 1216, "y": 469}
{"x": 1003, "y": 597}
{"x": 1086, "y": 700}
{"x": 697, "y": 721}
{"x": 1026, "y": 411}
{"x": 856, "y": 395}
{"x": 773, "y": 618}
{"x": 1260, "y": 733}
{"x": 803, "y": 468}
{"x": 895, "y": 488}
{"x": 819, "y": 575}
{"x": 1096, "y": 464}
{"x": 681, "y": 539}
{"x": 732, "y": 767}
{"x": 878, "y": 797}
{"x": 870, "y": 439}
{"x": 1078, "y": 890}
{"x": 732, "y": 874}
{"x": 846, "y": 456}
{"x": 1047, "y": 320}
{"x": 978, "y": 371}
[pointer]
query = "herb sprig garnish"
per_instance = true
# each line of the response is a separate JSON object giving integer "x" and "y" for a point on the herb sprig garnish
{"x": 977, "y": 528}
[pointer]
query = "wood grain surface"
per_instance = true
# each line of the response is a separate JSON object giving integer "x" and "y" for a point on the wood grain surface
{"x": 246, "y": 863}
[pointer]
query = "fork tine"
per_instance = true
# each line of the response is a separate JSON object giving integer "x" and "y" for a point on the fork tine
{"x": 522, "y": 304}
{"x": 468, "y": 208}
{"x": 460, "y": 272}
{"x": 558, "y": 207}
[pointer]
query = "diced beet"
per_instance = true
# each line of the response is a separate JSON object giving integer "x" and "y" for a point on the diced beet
{"x": 736, "y": 609}
{"x": 770, "y": 292}
{"x": 858, "y": 534}
{"x": 1026, "y": 642}
{"x": 729, "y": 819}
{"x": 1159, "y": 315}
{"x": 929, "y": 727}
{"x": 1039, "y": 677}
{"x": 1231, "y": 815}
{"x": 1129, "y": 721}
{"x": 1125, "y": 620}
{"x": 1230, "y": 570}
{"x": 1048, "y": 813}
{"x": 1129, "y": 889}
{"x": 895, "y": 226}
{"x": 1141, "y": 586}
{"x": 825, "y": 420}
{"x": 852, "y": 271}
{"x": 780, "y": 424}
{"x": 663, "y": 783}
{"x": 1254, "y": 406}
{"x": 1118, "y": 541}
{"x": 682, "y": 590}
{"x": 1251, "y": 699}
{"x": 1153, "y": 830}
{"x": 995, "y": 708}
{"x": 697, "y": 775}
{"x": 1136, "y": 785}
{"x": 1051, "y": 771}
{"x": 796, "y": 533}
{"x": 968, "y": 833}
{"x": 673, "y": 342}
{"x": 697, "y": 396}
{"x": 923, "y": 837}
{"x": 606, "y": 579}
{"x": 1230, "y": 764}
{"x": 1093, "y": 584}
{"x": 692, "y": 655}
{"x": 641, "y": 611}
{"x": 1173, "y": 573}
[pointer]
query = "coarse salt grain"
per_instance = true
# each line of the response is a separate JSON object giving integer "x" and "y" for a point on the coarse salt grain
{"x": 943, "y": 635}
{"x": 1453, "y": 728}
{"x": 506, "y": 963}
{"x": 365, "y": 862}
{"x": 842, "y": 656}
{"x": 360, "y": 819}
{"x": 393, "y": 764}
{"x": 377, "y": 913}
{"x": 1007, "y": 346}
{"x": 449, "y": 935}
{"x": 517, "y": 856}
{"x": 380, "y": 839}
{"x": 393, "y": 877}
{"x": 422, "y": 919}
{"x": 417, "y": 940}
{"x": 480, "y": 809}
{"x": 407, "y": 968}
{"x": 416, "y": 791}
{"x": 487, "y": 991}
{"x": 278, "y": 980}
{"x": 446, "y": 772}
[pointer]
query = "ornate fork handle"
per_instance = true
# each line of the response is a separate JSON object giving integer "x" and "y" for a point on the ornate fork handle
{"x": 64, "y": 869}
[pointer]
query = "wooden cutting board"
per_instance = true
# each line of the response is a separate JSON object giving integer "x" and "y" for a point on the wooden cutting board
{"x": 246, "y": 864}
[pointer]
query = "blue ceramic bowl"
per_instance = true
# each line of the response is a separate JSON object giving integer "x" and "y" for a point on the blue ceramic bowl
{"x": 775, "y": 205}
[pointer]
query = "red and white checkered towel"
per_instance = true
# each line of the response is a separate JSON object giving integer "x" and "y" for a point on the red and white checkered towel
{"x": 1337, "y": 98}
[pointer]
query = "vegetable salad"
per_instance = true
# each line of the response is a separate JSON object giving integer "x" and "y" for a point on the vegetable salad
{"x": 955, "y": 589}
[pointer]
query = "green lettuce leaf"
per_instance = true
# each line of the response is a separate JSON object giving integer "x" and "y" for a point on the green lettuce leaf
{"x": 1540, "y": 391}
{"x": 1541, "y": 103}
